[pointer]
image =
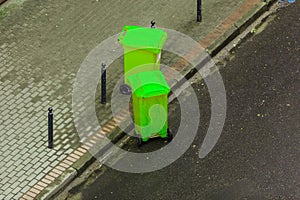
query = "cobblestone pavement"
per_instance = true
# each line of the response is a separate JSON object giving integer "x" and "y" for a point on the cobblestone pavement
{"x": 42, "y": 45}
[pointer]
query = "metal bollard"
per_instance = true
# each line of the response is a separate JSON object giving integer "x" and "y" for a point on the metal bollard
{"x": 103, "y": 84}
{"x": 199, "y": 10}
{"x": 50, "y": 128}
{"x": 152, "y": 24}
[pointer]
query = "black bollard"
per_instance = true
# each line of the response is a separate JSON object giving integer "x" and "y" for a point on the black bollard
{"x": 50, "y": 128}
{"x": 199, "y": 10}
{"x": 103, "y": 84}
{"x": 152, "y": 24}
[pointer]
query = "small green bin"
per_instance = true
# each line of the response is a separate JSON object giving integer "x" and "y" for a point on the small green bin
{"x": 150, "y": 103}
{"x": 142, "y": 46}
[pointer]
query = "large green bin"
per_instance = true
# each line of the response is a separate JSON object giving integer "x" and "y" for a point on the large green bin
{"x": 142, "y": 49}
{"x": 150, "y": 103}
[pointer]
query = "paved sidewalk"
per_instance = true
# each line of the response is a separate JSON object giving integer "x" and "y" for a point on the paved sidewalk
{"x": 42, "y": 45}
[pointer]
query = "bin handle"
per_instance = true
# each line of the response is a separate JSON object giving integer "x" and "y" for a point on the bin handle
{"x": 124, "y": 31}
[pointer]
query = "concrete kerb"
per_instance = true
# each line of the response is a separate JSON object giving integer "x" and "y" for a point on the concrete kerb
{"x": 224, "y": 39}
{"x": 61, "y": 182}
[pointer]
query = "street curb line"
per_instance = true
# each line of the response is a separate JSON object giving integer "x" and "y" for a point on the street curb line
{"x": 239, "y": 26}
{"x": 57, "y": 179}
{"x": 65, "y": 179}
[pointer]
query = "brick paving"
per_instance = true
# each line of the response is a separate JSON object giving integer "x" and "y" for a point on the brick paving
{"x": 41, "y": 48}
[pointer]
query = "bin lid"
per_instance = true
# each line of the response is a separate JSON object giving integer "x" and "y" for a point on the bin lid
{"x": 149, "y": 84}
{"x": 143, "y": 38}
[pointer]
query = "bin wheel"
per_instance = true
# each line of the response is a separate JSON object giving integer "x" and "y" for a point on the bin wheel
{"x": 125, "y": 89}
{"x": 139, "y": 141}
{"x": 170, "y": 135}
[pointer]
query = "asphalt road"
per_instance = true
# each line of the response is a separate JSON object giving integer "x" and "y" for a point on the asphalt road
{"x": 258, "y": 154}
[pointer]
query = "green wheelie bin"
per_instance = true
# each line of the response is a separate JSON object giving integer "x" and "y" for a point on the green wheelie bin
{"x": 142, "y": 49}
{"x": 150, "y": 105}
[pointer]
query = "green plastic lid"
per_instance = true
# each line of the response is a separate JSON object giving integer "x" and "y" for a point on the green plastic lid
{"x": 143, "y": 38}
{"x": 149, "y": 84}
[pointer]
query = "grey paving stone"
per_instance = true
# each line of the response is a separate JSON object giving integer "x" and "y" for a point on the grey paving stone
{"x": 40, "y": 175}
{"x": 65, "y": 141}
{"x": 45, "y": 161}
{"x": 7, "y": 121}
{"x": 59, "y": 121}
{"x": 5, "y": 148}
{"x": 17, "y": 157}
{"x": 36, "y": 129}
{"x": 4, "y": 110}
{"x": 67, "y": 146}
{"x": 33, "y": 119}
{"x": 29, "y": 172}
{"x": 53, "y": 163}
{"x": 35, "y": 160}
{"x": 12, "y": 171}
{"x": 19, "y": 168}
{"x": 9, "y": 132}
{"x": 8, "y": 160}
{"x": 27, "y": 166}
{"x": 34, "y": 124}
{"x": 41, "y": 143}
{"x": 22, "y": 147}
{"x": 7, "y": 92}
{"x": 6, "y": 153}
{"x": 47, "y": 169}
{"x": 31, "y": 144}
{"x": 13, "y": 144}
{"x": 57, "y": 147}
{"x": 44, "y": 128}
{"x": 9, "y": 196}
{"x": 10, "y": 137}
{"x": 64, "y": 136}
{"x": 61, "y": 126}
{"x": 23, "y": 115}
{"x": 13, "y": 180}
{"x": 2, "y": 102}
{"x": 15, "y": 122}
{"x": 30, "y": 109}
{"x": 18, "y": 195}
{"x": 41, "y": 153}
{"x": 21, "y": 141}
{"x": 19, "y": 99}
{"x": 16, "y": 188}
{"x": 52, "y": 158}
{"x": 29, "y": 140}
{"x": 25, "y": 189}
{"x": 4, "y": 181}
{"x": 32, "y": 182}
{"x": 38, "y": 170}
{"x": 5, "y": 188}
{"x": 22, "y": 109}
{"x": 68, "y": 151}
{"x": 14, "y": 116}
{"x": 2, "y": 176}
{"x": 22, "y": 178}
